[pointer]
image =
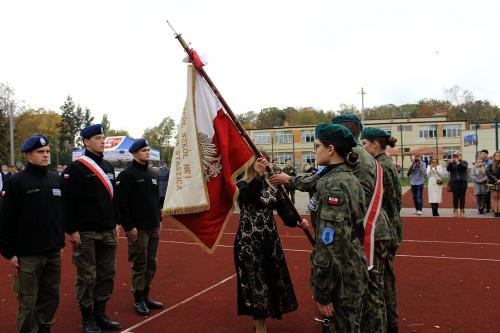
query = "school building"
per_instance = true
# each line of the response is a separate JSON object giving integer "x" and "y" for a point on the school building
{"x": 416, "y": 134}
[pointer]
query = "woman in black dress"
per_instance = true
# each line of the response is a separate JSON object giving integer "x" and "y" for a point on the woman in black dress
{"x": 264, "y": 285}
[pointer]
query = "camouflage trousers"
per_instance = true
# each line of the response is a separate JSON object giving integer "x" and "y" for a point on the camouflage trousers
{"x": 142, "y": 254}
{"x": 345, "y": 320}
{"x": 37, "y": 285}
{"x": 95, "y": 261}
{"x": 390, "y": 289}
{"x": 374, "y": 314}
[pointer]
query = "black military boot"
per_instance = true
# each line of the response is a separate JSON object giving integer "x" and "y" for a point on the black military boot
{"x": 102, "y": 320}
{"x": 139, "y": 305}
{"x": 392, "y": 329}
{"x": 43, "y": 328}
{"x": 151, "y": 303}
{"x": 88, "y": 322}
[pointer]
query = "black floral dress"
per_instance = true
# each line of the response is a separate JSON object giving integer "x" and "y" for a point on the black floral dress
{"x": 264, "y": 285}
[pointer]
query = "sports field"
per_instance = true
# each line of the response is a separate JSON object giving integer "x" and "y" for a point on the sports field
{"x": 448, "y": 272}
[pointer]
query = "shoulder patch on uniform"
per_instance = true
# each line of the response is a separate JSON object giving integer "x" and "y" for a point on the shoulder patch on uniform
{"x": 66, "y": 176}
{"x": 327, "y": 235}
{"x": 117, "y": 183}
{"x": 333, "y": 200}
{"x": 2, "y": 194}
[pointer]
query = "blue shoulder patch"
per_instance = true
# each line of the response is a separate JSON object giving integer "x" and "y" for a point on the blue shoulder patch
{"x": 327, "y": 235}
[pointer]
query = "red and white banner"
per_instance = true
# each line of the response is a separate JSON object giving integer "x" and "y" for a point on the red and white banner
{"x": 208, "y": 155}
{"x": 371, "y": 217}
{"x": 95, "y": 168}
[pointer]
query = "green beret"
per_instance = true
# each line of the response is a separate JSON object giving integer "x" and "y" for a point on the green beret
{"x": 373, "y": 133}
{"x": 335, "y": 133}
{"x": 348, "y": 117}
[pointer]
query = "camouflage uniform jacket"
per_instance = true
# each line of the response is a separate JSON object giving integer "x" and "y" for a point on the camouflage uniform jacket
{"x": 365, "y": 171}
{"x": 339, "y": 268}
{"x": 392, "y": 197}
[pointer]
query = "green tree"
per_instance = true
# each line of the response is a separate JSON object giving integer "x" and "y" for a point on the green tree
{"x": 160, "y": 136}
{"x": 106, "y": 124}
{"x": 270, "y": 117}
{"x": 73, "y": 119}
{"x": 6, "y": 95}
{"x": 248, "y": 119}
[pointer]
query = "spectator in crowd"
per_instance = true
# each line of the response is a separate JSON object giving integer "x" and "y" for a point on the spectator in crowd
{"x": 494, "y": 179}
{"x": 163, "y": 175}
{"x": 457, "y": 167}
{"x": 486, "y": 160}
{"x": 12, "y": 169}
{"x": 1, "y": 191}
{"x": 480, "y": 180}
{"x": 416, "y": 172}
{"x": 290, "y": 170}
{"x": 276, "y": 169}
{"x": 5, "y": 173}
{"x": 435, "y": 174}
{"x": 59, "y": 169}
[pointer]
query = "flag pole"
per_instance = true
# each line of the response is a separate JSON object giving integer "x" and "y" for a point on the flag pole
{"x": 240, "y": 128}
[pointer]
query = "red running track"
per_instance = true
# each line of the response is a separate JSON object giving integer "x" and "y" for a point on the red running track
{"x": 448, "y": 272}
{"x": 470, "y": 199}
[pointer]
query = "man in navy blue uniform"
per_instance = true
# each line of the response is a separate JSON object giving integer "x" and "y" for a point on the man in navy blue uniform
{"x": 88, "y": 187}
{"x": 139, "y": 212}
{"x": 32, "y": 235}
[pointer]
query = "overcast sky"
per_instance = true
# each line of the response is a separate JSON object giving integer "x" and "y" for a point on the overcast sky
{"x": 120, "y": 57}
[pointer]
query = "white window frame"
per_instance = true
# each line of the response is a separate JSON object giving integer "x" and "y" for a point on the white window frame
{"x": 449, "y": 151}
{"x": 308, "y": 157}
{"x": 262, "y": 138}
{"x": 284, "y": 137}
{"x": 282, "y": 156}
{"x": 427, "y": 132}
{"x": 452, "y": 131}
{"x": 307, "y": 136}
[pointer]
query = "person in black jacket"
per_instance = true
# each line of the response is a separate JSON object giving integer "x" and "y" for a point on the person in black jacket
{"x": 32, "y": 235}
{"x": 88, "y": 187}
{"x": 457, "y": 168}
{"x": 139, "y": 212}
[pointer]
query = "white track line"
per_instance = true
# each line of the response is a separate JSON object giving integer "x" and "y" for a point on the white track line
{"x": 177, "y": 305}
{"x": 233, "y": 233}
{"x": 450, "y": 258}
{"x": 448, "y": 242}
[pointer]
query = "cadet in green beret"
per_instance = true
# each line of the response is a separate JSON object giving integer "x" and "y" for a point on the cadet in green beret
{"x": 375, "y": 141}
{"x": 339, "y": 267}
{"x": 374, "y": 314}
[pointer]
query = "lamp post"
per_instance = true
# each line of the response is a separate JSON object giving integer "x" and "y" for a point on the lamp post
{"x": 437, "y": 144}
{"x": 11, "y": 132}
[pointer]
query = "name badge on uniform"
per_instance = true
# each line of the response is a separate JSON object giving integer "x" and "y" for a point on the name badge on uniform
{"x": 2, "y": 194}
{"x": 333, "y": 201}
{"x": 313, "y": 204}
{"x": 111, "y": 175}
{"x": 153, "y": 181}
{"x": 56, "y": 192}
{"x": 327, "y": 235}
{"x": 140, "y": 180}
{"x": 34, "y": 190}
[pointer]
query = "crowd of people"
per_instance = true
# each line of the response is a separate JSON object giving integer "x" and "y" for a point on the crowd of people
{"x": 484, "y": 176}
{"x": 354, "y": 206}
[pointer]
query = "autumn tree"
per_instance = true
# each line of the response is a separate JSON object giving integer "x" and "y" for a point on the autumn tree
{"x": 38, "y": 121}
{"x": 6, "y": 93}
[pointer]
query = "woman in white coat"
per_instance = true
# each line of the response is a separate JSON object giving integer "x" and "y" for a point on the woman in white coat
{"x": 435, "y": 174}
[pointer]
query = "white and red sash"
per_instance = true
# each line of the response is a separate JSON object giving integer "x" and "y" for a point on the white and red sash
{"x": 95, "y": 168}
{"x": 371, "y": 217}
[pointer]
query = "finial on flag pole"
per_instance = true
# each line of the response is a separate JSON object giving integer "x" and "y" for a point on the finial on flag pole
{"x": 171, "y": 27}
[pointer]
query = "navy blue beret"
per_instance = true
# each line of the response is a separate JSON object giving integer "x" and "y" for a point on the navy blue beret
{"x": 34, "y": 142}
{"x": 138, "y": 144}
{"x": 91, "y": 130}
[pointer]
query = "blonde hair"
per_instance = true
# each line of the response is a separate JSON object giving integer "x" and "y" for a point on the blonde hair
{"x": 250, "y": 172}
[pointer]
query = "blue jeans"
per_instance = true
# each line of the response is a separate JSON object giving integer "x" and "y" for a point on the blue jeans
{"x": 417, "y": 192}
